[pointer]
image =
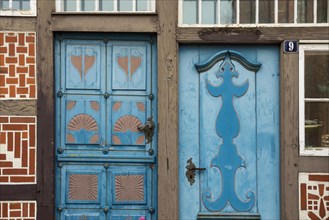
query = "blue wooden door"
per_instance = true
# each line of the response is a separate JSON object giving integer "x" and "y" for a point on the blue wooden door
{"x": 229, "y": 128}
{"x": 105, "y": 93}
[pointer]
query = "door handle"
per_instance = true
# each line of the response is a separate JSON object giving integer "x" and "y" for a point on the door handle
{"x": 190, "y": 172}
{"x": 148, "y": 129}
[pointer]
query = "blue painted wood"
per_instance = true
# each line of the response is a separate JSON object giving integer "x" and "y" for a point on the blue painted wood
{"x": 199, "y": 109}
{"x": 103, "y": 166}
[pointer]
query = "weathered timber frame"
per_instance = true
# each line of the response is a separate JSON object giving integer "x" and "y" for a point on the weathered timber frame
{"x": 164, "y": 24}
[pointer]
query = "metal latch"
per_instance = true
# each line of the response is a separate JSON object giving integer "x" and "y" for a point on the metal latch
{"x": 190, "y": 172}
{"x": 148, "y": 129}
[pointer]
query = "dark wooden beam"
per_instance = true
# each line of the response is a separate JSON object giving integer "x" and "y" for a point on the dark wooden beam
{"x": 104, "y": 23}
{"x": 250, "y": 35}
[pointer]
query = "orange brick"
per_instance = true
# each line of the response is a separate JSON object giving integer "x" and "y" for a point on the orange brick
{"x": 30, "y": 80}
{"x": 2, "y": 80}
{"x": 24, "y": 135}
{"x": 30, "y": 39}
{"x": 12, "y": 91}
{"x": 15, "y": 206}
{"x": 31, "y": 70}
{"x": 3, "y": 49}
{"x": 3, "y": 91}
{"x": 32, "y": 162}
{"x": 10, "y": 141}
{"x": 3, "y": 137}
{"x": 2, "y": 60}
{"x": 17, "y": 145}
{"x": 6, "y": 164}
{"x": 22, "y": 120}
{"x": 3, "y": 156}
{"x": 12, "y": 81}
{"x": 21, "y": 80}
{"x": 14, "y": 171}
{"x": 4, "y": 179}
{"x": 15, "y": 213}
{"x": 25, "y": 210}
{"x": 21, "y": 59}
{"x": 21, "y": 38}
{"x": 21, "y": 49}
{"x": 4, "y": 120}
{"x": 11, "y": 60}
{"x": 12, "y": 50}
{"x": 1, "y": 39}
{"x": 21, "y": 179}
{"x": 31, "y": 50}
{"x": 32, "y": 210}
{"x": 22, "y": 70}
{"x": 30, "y": 60}
{"x": 24, "y": 153}
{"x": 11, "y": 39}
{"x": 32, "y": 91}
{"x": 3, "y": 70}
{"x": 32, "y": 135}
{"x": 22, "y": 91}
{"x": 12, "y": 70}
{"x": 13, "y": 127}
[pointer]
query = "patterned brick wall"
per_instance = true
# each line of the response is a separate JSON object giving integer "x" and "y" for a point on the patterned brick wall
{"x": 14, "y": 210}
{"x": 17, "y": 149}
{"x": 314, "y": 196}
{"x": 17, "y": 65}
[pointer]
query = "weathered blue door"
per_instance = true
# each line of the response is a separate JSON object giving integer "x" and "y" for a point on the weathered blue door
{"x": 105, "y": 126}
{"x": 229, "y": 132}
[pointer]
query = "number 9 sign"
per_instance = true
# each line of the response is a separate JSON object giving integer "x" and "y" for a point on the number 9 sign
{"x": 290, "y": 46}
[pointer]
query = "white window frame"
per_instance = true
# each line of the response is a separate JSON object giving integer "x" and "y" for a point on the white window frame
{"x": 256, "y": 24}
{"x": 11, "y": 12}
{"x": 150, "y": 5}
{"x": 309, "y": 46}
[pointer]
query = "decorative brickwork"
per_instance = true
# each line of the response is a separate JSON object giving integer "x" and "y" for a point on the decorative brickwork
{"x": 14, "y": 210}
{"x": 17, "y": 149}
{"x": 314, "y": 196}
{"x": 17, "y": 65}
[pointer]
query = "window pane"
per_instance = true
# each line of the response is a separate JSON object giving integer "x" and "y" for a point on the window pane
{"x": 227, "y": 11}
{"x": 4, "y": 4}
{"x": 141, "y": 5}
{"x": 266, "y": 11}
{"x": 317, "y": 74}
{"x": 106, "y": 5}
{"x": 125, "y": 5}
{"x": 208, "y": 12}
{"x": 21, "y": 4}
{"x": 70, "y": 5}
{"x": 87, "y": 5}
{"x": 323, "y": 9}
{"x": 190, "y": 11}
{"x": 317, "y": 124}
{"x": 286, "y": 11}
{"x": 247, "y": 11}
{"x": 305, "y": 11}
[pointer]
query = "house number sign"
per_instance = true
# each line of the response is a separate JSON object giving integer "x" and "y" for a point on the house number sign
{"x": 290, "y": 46}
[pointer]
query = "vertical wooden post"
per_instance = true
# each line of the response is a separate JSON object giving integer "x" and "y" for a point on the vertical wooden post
{"x": 45, "y": 156}
{"x": 289, "y": 135}
{"x": 168, "y": 111}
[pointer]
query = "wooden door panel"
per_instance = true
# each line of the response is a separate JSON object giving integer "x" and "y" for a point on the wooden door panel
{"x": 229, "y": 125}
{"x": 105, "y": 166}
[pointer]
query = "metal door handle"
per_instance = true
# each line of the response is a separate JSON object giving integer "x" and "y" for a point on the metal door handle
{"x": 148, "y": 129}
{"x": 190, "y": 172}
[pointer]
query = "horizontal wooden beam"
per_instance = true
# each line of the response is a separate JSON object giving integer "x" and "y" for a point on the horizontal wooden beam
{"x": 17, "y": 23}
{"x": 18, "y": 107}
{"x": 250, "y": 35}
{"x": 18, "y": 192}
{"x": 104, "y": 23}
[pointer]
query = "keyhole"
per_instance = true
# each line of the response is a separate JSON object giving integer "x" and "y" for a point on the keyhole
{"x": 191, "y": 176}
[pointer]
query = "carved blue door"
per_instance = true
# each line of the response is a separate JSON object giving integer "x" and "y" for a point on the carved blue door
{"x": 229, "y": 132}
{"x": 105, "y": 100}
